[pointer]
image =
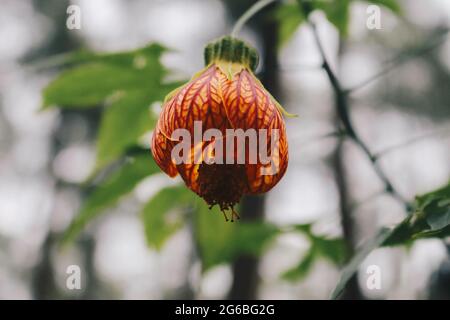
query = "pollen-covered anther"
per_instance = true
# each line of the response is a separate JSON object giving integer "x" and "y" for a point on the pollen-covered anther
{"x": 234, "y": 214}
{"x": 222, "y": 185}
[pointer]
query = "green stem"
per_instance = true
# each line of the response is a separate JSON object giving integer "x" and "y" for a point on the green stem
{"x": 247, "y": 15}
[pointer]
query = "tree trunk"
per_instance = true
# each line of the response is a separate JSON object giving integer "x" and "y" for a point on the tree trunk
{"x": 245, "y": 268}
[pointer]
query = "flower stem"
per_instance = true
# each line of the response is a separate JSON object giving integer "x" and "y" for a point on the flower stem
{"x": 247, "y": 15}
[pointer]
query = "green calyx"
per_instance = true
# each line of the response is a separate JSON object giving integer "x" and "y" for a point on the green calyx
{"x": 233, "y": 50}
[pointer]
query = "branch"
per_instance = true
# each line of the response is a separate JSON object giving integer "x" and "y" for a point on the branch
{"x": 411, "y": 141}
{"x": 312, "y": 140}
{"x": 255, "y": 8}
{"x": 342, "y": 107}
{"x": 401, "y": 59}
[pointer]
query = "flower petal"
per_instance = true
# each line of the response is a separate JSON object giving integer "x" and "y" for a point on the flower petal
{"x": 161, "y": 148}
{"x": 250, "y": 106}
{"x": 199, "y": 100}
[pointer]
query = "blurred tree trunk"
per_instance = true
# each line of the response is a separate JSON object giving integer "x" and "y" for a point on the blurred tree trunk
{"x": 352, "y": 291}
{"x": 245, "y": 268}
{"x": 43, "y": 282}
{"x": 439, "y": 286}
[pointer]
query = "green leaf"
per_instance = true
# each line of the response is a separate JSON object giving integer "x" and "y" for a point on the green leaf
{"x": 354, "y": 263}
{"x": 438, "y": 216}
{"x": 99, "y": 76}
{"x": 145, "y": 58}
{"x": 435, "y": 206}
{"x": 289, "y": 17}
{"x": 127, "y": 82}
{"x": 152, "y": 52}
{"x": 251, "y": 238}
{"x": 126, "y": 120}
{"x": 213, "y": 235}
{"x": 306, "y": 228}
{"x": 338, "y": 13}
{"x": 161, "y": 215}
{"x": 300, "y": 271}
{"x": 123, "y": 122}
{"x": 431, "y": 219}
{"x": 333, "y": 250}
{"x": 402, "y": 233}
{"x": 390, "y": 4}
{"x": 441, "y": 233}
{"x": 108, "y": 193}
{"x": 88, "y": 85}
{"x": 431, "y": 216}
{"x": 220, "y": 242}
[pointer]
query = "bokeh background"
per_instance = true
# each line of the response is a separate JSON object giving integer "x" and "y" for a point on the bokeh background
{"x": 45, "y": 155}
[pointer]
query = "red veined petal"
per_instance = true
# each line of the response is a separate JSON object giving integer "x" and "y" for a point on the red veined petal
{"x": 199, "y": 100}
{"x": 250, "y": 106}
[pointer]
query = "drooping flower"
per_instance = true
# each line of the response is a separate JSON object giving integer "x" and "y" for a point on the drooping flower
{"x": 224, "y": 96}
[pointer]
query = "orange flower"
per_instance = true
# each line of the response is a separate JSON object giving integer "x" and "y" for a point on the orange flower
{"x": 225, "y": 95}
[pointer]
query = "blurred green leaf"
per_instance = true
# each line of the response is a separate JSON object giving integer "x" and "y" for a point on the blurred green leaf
{"x": 289, "y": 17}
{"x": 334, "y": 250}
{"x": 441, "y": 195}
{"x": 350, "y": 269}
{"x": 220, "y": 242}
{"x": 89, "y": 85}
{"x": 123, "y": 122}
{"x": 99, "y": 76}
{"x": 161, "y": 215}
{"x": 300, "y": 271}
{"x": 124, "y": 58}
{"x": 108, "y": 193}
{"x": 126, "y": 120}
{"x": 126, "y": 82}
{"x": 304, "y": 228}
{"x": 402, "y": 233}
{"x": 145, "y": 58}
{"x": 431, "y": 219}
{"x": 337, "y": 12}
{"x": 251, "y": 238}
{"x": 436, "y": 208}
{"x": 214, "y": 236}
{"x": 390, "y": 4}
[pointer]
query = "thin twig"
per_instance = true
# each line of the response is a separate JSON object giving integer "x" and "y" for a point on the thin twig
{"x": 248, "y": 15}
{"x": 357, "y": 204}
{"x": 314, "y": 139}
{"x": 342, "y": 106}
{"x": 401, "y": 59}
{"x": 411, "y": 141}
{"x": 298, "y": 68}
